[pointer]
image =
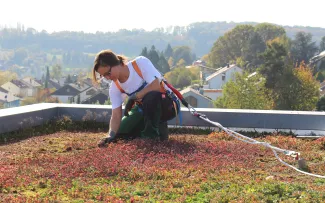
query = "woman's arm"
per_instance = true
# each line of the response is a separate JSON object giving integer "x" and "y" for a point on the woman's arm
{"x": 154, "y": 86}
{"x": 115, "y": 120}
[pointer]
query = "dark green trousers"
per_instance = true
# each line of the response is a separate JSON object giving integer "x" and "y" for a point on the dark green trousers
{"x": 136, "y": 125}
{"x": 145, "y": 121}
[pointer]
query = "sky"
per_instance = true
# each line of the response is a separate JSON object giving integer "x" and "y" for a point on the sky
{"x": 108, "y": 15}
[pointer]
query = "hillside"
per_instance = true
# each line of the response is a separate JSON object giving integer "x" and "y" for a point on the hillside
{"x": 199, "y": 36}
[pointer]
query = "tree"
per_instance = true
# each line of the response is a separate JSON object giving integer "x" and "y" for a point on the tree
{"x": 181, "y": 63}
{"x": 181, "y": 77}
{"x": 297, "y": 89}
{"x": 47, "y": 77}
{"x": 245, "y": 93}
{"x": 153, "y": 55}
{"x": 268, "y": 31}
{"x": 242, "y": 41}
{"x": 171, "y": 77}
{"x": 205, "y": 58}
{"x": 19, "y": 55}
{"x": 275, "y": 58}
{"x": 170, "y": 62}
{"x": 321, "y": 104}
{"x": 54, "y": 59}
{"x": 183, "y": 80}
{"x": 168, "y": 51}
{"x": 56, "y": 71}
{"x": 43, "y": 95}
{"x": 185, "y": 53}
{"x": 320, "y": 77}
{"x": 6, "y": 76}
{"x": 194, "y": 72}
{"x": 163, "y": 63}
{"x": 220, "y": 53}
{"x": 251, "y": 51}
{"x": 321, "y": 65}
{"x": 305, "y": 91}
{"x": 293, "y": 88}
{"x": 68, "y": 80}
{"x": 322, "y": 44}
{"x": 144, "y": 52}
{"x": 303, "y": 48}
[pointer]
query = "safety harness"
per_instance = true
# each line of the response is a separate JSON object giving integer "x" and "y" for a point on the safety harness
{"x": 171, "y": 95}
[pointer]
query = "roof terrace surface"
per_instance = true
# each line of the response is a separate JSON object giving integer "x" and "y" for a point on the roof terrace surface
{"x": 68, "y": 166}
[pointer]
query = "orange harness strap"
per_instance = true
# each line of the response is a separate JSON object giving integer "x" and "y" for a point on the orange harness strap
{"x": 119, "y": 86}
{"x": 136, "y": 68}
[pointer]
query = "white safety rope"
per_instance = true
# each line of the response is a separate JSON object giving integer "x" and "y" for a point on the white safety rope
{"x": 252, "y": 141}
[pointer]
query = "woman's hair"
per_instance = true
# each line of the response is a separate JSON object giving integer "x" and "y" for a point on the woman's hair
{"x": 107, "y": 58}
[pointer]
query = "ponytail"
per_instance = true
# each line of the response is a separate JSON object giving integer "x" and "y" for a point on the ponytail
{"x": 122, "y": 59}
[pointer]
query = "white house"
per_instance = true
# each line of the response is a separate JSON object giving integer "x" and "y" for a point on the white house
{"x": 218, "y": 79}
{"x": 85, "y": 94}
{"x": 33, "y": 86}
{"x": 16, "y": 87}
{"x": 8, "y": 100}
{"x": 32, "y": 81}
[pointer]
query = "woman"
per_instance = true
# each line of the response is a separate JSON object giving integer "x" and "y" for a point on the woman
{"x": 149, "y": 105}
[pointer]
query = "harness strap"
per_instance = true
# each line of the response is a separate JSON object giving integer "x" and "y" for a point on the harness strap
{"x": 136, "y": 68}
{"x": 119, "y": 86}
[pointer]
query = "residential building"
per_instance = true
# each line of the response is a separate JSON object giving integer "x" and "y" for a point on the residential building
{"x": 8, "y": 100}
{"x": 85, "y": 94}
{"x": 195, "y": 99}
{"x": 33, "y": 86}
{"x": 17, "y": 88}
{"x": 218, "y": 79}
{"x": 67, "y": 93}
